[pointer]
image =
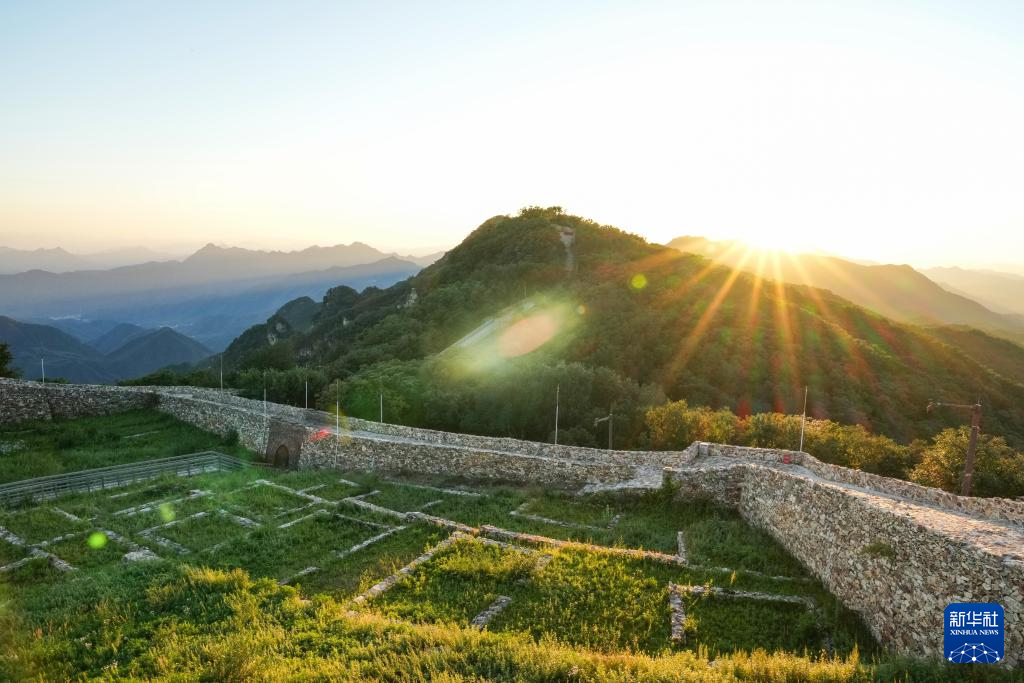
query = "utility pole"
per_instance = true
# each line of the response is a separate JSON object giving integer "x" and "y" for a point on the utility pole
{"x": 610, "y": 419}
{"x": 222, "y": 372}
{"x": 972, "y": 443}
{"x": 42, "y": 368}
{"x": 558, "y": 388}
{"x": 337, "y": 425}
{"x": 803, "y": 421}
{"x": 382, "y": 408}
{"x": 307, "y": 394}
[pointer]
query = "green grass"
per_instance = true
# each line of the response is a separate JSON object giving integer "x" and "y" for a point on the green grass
{"x": 10, "y": 552}
{"x": 592, "y": 600}
{"x": 263, "y": 503}
{"x": 280, "y": 553}
{"x": 101, "y": 503}
{"x": 34, "y": 525}
{"x": 727, "y": 624}
{"x": 161, "y": 514}
{"x": 83, "y": 555}
{"x": 460, "y": 582}
{"x": 54, "y": 447}
{"x": 199, "y": 533}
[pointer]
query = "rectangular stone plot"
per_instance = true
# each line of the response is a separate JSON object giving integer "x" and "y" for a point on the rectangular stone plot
{"x": 457, "y": 584}
{"x": 342, "y": 577}
{"x": 162, "y": 513}
{"x": 404, "y": 498}
{"x": 576, "y": 513}
{"x": 199, "y": 533}
{"x": 263, "y": 502}
{"x": 88, "y": 550}
{"x": 10, "y": 552}
{"x": 36, "y": 570}
{"x": 114, "y": 500}
{"x": 38, "y": 524}
{"x": 335, "y": 491}
{"x": 726, "y": 624}
{"x": 280, "y": 553}
{"x": 592, "y": 600}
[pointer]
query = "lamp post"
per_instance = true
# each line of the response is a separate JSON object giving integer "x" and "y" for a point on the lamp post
{"x": 558, "y": 388}
{"x": 972, "y": 443}
{"x": 610, "y": 419}
{"x": 803, "y": 421}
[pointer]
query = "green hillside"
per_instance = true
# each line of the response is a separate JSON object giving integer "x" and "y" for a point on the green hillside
{"x": 620, "y": 324}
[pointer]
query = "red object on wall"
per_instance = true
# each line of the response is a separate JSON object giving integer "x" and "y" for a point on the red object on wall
{"x": 785, "y": 459}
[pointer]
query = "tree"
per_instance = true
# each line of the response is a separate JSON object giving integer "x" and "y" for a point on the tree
{"x": 998, "y": 468}
{"x": 7, "y": 368}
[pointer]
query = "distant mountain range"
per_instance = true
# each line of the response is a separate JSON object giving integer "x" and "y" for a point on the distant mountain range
{"x": 59, "y": 260}
{"x": 211, "y": 296}
{"x": 895, "y": 291}
{"x": 125, "y": 351}
{"x": 1002, "y": 292}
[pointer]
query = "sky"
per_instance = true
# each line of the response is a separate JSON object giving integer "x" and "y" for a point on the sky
{"x": 887, "y": 131}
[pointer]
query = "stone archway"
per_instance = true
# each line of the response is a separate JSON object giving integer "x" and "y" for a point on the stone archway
{"x": 281, "y": 456}
{"x": 284, "y": 444}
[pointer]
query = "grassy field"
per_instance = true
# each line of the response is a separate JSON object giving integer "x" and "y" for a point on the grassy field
{"x": 215, "y": 606}
{"x": 36, "y": 449}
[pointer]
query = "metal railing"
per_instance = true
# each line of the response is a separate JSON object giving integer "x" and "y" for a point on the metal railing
{"x": 116, "y": 476}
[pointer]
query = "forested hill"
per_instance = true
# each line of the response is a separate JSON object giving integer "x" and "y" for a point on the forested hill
{"x": 478, "y": 342}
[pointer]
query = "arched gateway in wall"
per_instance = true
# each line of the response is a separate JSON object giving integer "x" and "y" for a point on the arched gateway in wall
{"x": 284, "y": 444}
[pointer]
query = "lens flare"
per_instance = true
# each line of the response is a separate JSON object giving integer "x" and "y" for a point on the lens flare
{"x": 97, "y": 540}
{"x": 638, "y": 281}
{"x": 320, "y": 435}
{"x": 166, "y": 512}
{"x": 527, "y": 335}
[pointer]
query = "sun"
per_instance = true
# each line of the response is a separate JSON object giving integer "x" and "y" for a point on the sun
{"x": 793, "y": 241}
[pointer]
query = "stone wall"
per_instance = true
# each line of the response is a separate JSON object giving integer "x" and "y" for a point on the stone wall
{"x": 898, "y": 569}
{"x": 989, "y": 508}
{"x": 37, "y": 401}
{"x": 353, "y": 451}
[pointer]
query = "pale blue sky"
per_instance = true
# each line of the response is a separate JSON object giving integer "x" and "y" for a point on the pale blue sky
{"x": 886, "y": 130}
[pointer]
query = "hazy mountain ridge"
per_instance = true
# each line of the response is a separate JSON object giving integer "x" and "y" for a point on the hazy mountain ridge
{"x": 60, "y": 261}
{"x": 1003, "y": 292}
{"x": 117, "y": 337}
{"x": 140, "y": 351}
{"x": 895, "y": 291}
{"x": 212, "y": 296}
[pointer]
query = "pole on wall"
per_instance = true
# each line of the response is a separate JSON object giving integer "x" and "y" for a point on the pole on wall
{"x": 972, "y": 442}
{"x": 558, "y": 388}
{"x": 803, "y": 421}
{"x": 42, "y": 368}
{"x": 610, "y": 419}
{"x": 222, "y": 373}
{"x": 382, "y": 408}
{"x": 307, "y": 394}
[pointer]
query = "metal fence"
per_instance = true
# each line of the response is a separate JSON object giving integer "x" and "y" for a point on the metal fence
{"x": 118, "y": 475}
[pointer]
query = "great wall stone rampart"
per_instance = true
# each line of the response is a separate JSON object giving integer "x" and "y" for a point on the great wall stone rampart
{"x": 894, "y": 551}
